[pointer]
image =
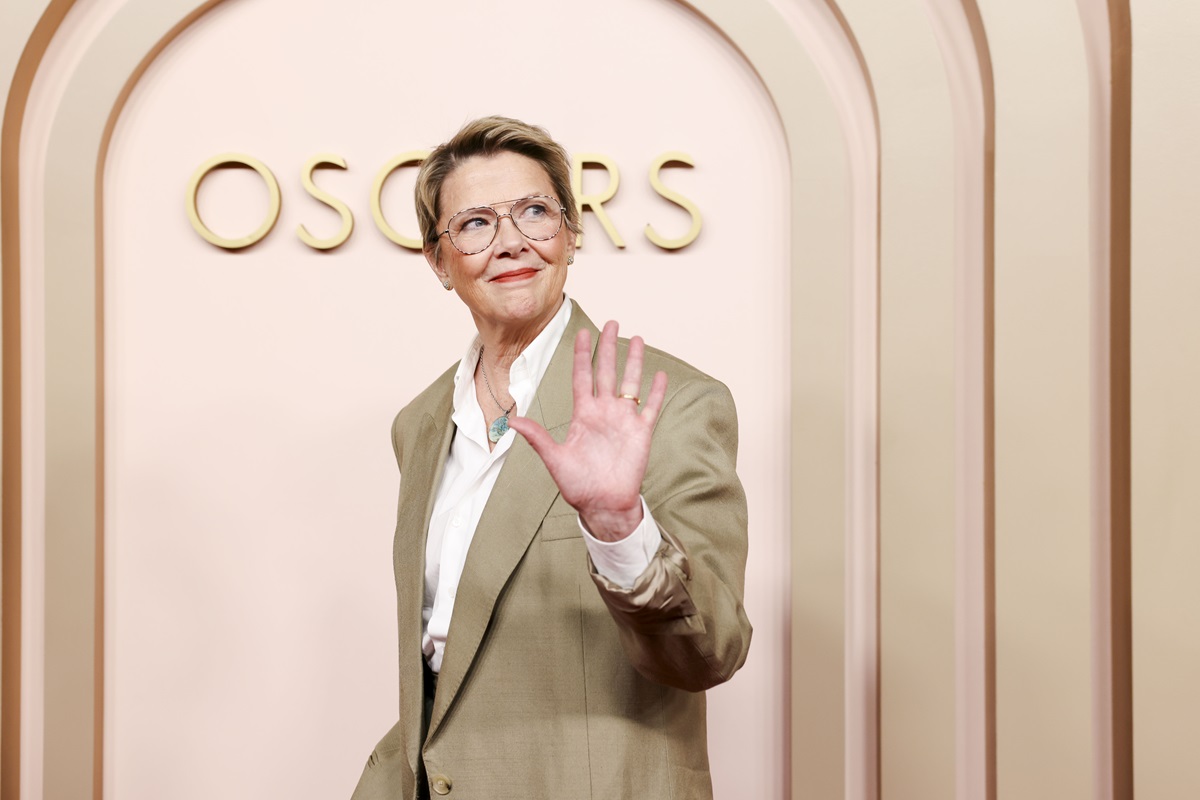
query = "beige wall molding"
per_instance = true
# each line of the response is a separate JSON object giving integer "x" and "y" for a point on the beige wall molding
{"x": 1108, "y": 42}
{"x": 1165, "y": 435}
{"x": 830, "y": 43}
{"x": 840, "y": 60}
{"x": 835, "y": 52}
{"x": 962, "y": 40}
{"x": 10, "y": 287}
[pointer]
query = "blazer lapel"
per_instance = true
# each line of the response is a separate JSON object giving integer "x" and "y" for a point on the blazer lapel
{"x": 522, "y": 496}
{"x": 426, "y": 457}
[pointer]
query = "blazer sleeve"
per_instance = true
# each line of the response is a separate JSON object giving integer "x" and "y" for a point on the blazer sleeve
{"x": 682, "y": 622}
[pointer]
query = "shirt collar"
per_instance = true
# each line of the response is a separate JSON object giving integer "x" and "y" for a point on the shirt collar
{"x": 524, "y": 375}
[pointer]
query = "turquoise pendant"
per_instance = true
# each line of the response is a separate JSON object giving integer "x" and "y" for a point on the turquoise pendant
{"x": 498, "y": 429}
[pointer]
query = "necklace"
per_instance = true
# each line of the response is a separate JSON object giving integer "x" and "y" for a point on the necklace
{"x": 500, "y": 426}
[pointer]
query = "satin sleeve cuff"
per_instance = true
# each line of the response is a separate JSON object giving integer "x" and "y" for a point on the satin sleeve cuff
{"x": 624, "y": 560}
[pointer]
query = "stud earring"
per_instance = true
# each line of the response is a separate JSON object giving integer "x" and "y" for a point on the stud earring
{"x": 446, "y": 285}
{"x": 570, "y": 260}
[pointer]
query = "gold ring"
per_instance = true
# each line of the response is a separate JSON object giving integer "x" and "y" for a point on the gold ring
{"x": 632, "y": 397}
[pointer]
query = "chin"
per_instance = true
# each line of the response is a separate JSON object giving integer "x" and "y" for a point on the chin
{"x": 530, "y": 305}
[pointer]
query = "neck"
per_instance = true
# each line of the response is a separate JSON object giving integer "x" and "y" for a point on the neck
{"x": 502, "y": 344}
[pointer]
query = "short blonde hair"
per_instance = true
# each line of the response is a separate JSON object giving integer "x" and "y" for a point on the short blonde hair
{"x": 488, "y": 136}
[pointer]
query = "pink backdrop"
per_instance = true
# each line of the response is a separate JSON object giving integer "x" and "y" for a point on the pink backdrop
{"x": 250, "y": 478}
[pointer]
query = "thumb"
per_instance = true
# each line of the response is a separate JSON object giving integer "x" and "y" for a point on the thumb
{"x": 538, "y": 437}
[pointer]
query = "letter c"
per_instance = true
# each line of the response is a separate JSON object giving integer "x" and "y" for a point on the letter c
{"x": 411, "y": 158}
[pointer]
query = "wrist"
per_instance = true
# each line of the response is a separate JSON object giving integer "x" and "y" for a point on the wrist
{"x": 612, "y": 525}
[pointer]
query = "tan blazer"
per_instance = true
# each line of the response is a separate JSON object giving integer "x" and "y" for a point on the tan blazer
{"x": 556, "y": 683}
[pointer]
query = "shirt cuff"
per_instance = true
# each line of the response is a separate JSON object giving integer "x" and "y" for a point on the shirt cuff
{"x": 624, "y": 560}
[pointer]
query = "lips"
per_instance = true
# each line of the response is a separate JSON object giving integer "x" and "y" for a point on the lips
{"x": 514, "y": 275}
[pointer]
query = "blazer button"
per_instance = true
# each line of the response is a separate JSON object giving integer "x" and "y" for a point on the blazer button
{"x": 440, "y": 784}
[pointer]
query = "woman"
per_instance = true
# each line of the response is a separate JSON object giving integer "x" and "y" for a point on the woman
{"x": 595, "y": 527}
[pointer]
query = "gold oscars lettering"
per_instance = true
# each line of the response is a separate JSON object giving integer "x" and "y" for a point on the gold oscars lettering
{"x": 590, "y": 202}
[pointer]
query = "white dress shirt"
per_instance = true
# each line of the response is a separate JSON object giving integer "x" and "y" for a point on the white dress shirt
{"x": 467, "y": 480}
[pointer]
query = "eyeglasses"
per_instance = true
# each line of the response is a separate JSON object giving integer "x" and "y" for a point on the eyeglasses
{"x": 472, "y": 230}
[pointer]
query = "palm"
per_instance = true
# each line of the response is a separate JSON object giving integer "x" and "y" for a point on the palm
{"x": 600, "y": 466}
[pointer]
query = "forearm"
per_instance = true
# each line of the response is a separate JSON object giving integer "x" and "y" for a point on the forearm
{"x": 623, "y": 559}
{"x": 682, "y": 622}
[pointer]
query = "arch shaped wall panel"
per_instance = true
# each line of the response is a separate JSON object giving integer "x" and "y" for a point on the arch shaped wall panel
{"x": 823, "y": 30}
{"x": 888, "y": 403}
{"x": 963, "y": 44}
{"x": 1107, "y": 40}
{"x": 86, "y": 80}
{"x": 1165, "y": 200}
{"x": 219, "y": 32}
{"x": 31, "y": 28}
{"x": 1042, "y": 451}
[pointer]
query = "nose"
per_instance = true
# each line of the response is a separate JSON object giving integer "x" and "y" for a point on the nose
{"x": 508, "y": 238}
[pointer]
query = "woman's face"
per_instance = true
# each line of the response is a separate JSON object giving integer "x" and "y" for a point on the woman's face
{"x": 515, "y": 283}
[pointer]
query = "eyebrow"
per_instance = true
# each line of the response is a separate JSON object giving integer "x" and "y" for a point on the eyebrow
{"x": 502, "y": 202}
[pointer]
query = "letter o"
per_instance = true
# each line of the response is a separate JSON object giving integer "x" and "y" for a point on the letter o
{"x": 224, "y": 160}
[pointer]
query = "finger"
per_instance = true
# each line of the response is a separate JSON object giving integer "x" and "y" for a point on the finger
{"x": 654, "y": 403}
{"x": 581, "y": 377}
{"x": 539, "y": 439}
{"x": 606, "y": 361}
{"x": 631, "y": 381}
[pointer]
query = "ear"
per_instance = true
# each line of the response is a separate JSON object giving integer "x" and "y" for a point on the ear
{"x": 433, "y": 256}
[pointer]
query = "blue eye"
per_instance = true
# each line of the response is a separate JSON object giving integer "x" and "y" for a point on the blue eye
{"x": 472, "y": 221}
{"x": 533, "y": 209}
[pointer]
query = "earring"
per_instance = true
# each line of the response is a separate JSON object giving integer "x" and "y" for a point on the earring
{"x": 446, "y": 285}
{"x": 570, "y": 260}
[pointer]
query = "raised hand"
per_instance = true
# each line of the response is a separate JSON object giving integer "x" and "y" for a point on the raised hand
{"x": 600, "y": 465}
